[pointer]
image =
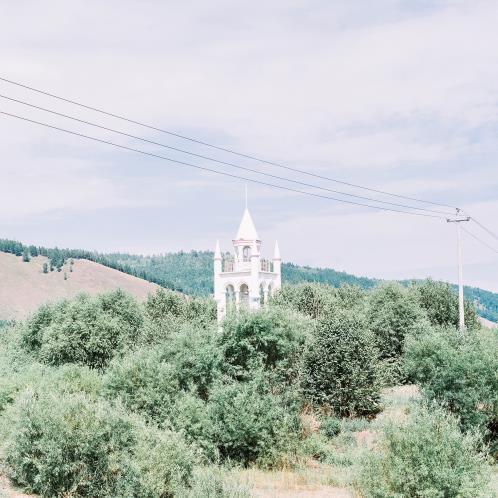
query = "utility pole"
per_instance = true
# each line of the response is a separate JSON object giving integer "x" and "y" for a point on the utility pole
{"x": 461, "y": 309}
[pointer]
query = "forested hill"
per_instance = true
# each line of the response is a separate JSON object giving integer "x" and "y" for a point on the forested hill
{"x": 192, "y": 272}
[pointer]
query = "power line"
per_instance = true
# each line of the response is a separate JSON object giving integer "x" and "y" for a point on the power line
{"x": 219, "y": 161}
{"x": 203, "y": 168}
{"x": 480, "y": 240}
{"x": 230, "y": 151}
{"x": 484, "y": 228}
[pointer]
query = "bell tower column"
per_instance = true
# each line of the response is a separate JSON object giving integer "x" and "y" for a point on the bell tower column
{"x": 254, "y": 297}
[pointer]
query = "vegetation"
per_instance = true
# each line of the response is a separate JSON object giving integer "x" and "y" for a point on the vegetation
{"x": 105, "y": 397}
{"x": 460, "y": 372}
{"x": 427, "y": 456}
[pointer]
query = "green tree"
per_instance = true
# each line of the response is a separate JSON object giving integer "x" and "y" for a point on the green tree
{"x": 45, "y": 267}
{"x": 460, "y": 372}
{"x": 273, "y": 337}
{"x": 341, "y": 365}
{"x": 25, "y": 255}
{"x": 393, "y": 312}
{"x": 441, "y": 304}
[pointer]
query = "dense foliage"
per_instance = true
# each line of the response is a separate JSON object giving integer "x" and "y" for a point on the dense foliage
{"x": 105, "y": 397}
{"x": 340, "y": 366}
{"x": 426, "y": 456}
{"x": 87, "y": 331}
{"x": 460, "y": 372}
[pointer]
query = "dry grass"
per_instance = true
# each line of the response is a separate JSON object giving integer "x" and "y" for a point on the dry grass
{"x": 24, "y": 286}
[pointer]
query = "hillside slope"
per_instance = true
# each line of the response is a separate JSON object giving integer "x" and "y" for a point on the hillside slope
{"x": 192, "y": 272}
{"x": 24, "y": 286}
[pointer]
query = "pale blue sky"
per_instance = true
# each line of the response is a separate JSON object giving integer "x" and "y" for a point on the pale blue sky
{"x": 401, "y": 96}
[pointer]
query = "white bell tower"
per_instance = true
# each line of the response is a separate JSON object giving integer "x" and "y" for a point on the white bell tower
{"x": 244, "y": 279}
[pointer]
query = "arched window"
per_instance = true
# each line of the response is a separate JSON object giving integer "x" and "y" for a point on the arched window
{"x": 246, "y": 253}
{"x": 230, "y": 297}
{"x": 261, "y": 295}
{"x": 244, "y": 296}
{"x": 269, "y": 292}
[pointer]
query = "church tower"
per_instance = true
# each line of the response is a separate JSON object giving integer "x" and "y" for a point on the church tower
{"x": 244, "y": 279}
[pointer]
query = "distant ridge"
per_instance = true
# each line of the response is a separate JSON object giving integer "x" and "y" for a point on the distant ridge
{"x": 192, "y": 272}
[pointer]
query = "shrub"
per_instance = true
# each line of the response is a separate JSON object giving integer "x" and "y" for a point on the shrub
{"x": 273, "y": 337}
{"x": 248, "y": 423}
{"x": 144, "y": 383}
{"x": 441, "y": 304}
{"x": 190, "y": 417}
{"x": 459, "y": 371}
{"x": 68, "y": 444}
{"x": 166, "y": 303}
{"x": 196, "y": 356}
{"x": 330, "y": 427}
{"x": 72, "y": 446}
{"x": 426, "y": 456}
{"x": 163, "y": 463}
{"x": 166, "y": 312}
{"x": 87, "y": 330}
{"x": 340, "y": 367}
{"x": 393, "y": 312}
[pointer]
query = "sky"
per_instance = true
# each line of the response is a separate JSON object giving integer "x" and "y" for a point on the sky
{"x": 399, "y": 96}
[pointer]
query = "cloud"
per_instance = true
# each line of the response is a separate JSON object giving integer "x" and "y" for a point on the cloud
{"x": 398, "y": 95}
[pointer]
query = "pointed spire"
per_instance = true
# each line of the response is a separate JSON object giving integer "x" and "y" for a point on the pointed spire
{"x": 276, "y": 252}
{"x": 217, "y": 251}
{"x": 247, "y": 230}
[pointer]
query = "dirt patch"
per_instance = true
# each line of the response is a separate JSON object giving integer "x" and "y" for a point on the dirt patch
{"x": 7, "y": 490}
{"x": 320, "y": 492}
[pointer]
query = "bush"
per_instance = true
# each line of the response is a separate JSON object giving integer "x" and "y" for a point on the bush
{"x": 273, "y": 337}
{"x": 459, "y": 371}
{"x": 72, "y": 446}
{"x": 340, "y": 367}
{"x": 393, "y": 312}
{"x": 248, "y": 423}
{"x": 166, "y": 303}
{"x": 196, "y": 356}
{"x": 190, "y": 417}
{"x": 307, "y": 298}
{"x": 59, "y": 445}
{"x": 330, "y": 427}
{"x": 441, "y": 304}
{"x": 426, "y": 457}
{"x": 163, "y": 463}
{"x": 87, "y": 330}
{"x": 144, "y": 383}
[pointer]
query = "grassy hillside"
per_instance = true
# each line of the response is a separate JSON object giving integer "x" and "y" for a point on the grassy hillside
{"x": 24, "y": 286}
{"x": 192, "y": 272}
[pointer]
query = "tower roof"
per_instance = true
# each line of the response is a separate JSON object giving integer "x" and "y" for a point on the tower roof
{"x": 247, "y": 230}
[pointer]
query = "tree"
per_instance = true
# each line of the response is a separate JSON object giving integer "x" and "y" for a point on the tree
{"x": 393, "y": 312}
{"x": 341, "y": 365}
{"x": 45, "y": 267}
{"x": 441, "y": 304}
{"x": 25, "y": 255}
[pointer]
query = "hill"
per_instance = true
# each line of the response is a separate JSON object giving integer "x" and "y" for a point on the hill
{"x": 24, "y": 286}
{"x": 192, "y": 272}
